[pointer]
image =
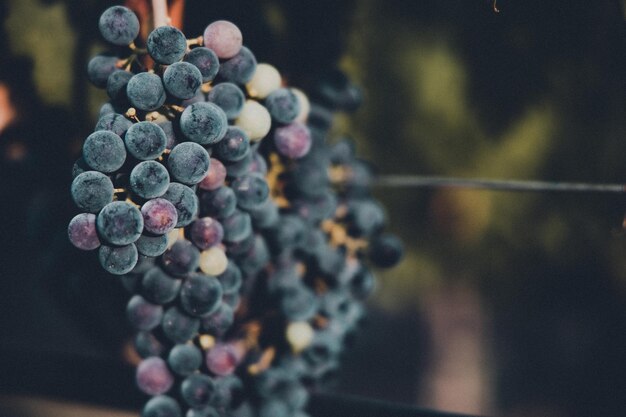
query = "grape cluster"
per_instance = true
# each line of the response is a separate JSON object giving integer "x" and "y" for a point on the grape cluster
{"x": 244, "y": 237}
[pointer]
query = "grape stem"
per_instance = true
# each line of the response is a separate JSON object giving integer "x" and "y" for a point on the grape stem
{"x": 195, "y": 41}
{"x": 159, "y": 13}
{"x": 136, "y": 50}
{"x": 417, "y": 181}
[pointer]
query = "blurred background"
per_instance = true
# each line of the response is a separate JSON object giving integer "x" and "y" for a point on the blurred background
{"x": 509, "y": 304}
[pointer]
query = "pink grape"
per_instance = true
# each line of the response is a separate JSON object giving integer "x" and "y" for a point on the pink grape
{"x": 215, "y": 177}
{"x": 293, "y": 140}
{"x": 159, "y": 216}
{"x": 153, "y": 376}
{"x": 222, "y": 359}
{"x": 82, "y": 231}
{"x": 224, "y": 38}
{"x": 206, "y": 232}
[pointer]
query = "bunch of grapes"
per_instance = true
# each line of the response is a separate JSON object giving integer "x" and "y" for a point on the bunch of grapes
{"x": 210, "y": 189}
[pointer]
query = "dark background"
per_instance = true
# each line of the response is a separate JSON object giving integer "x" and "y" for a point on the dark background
{"x": 506, "y": 304}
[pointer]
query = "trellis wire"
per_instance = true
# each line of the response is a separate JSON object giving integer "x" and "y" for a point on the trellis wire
{"x": 419, "y": 181}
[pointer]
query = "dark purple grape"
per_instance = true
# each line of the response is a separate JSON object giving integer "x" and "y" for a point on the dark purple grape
{"x": 308, "y": 179}
{"x": 206, "y": 61}
{"x": 200, "y": 295}
{"x": 284, "y": 276}
{"x": 80, "y": 166}
{"x": 241, "y": 248}
{"x": 104, "y": 151}
{"x": 316, "y": 209}
{"x": 240, "y": 68}
{"x": 237, "y": 226}
{"x": 233, "y": 299}
{"x": 363, "y": 284}
{"x": 144, "y": 264}
{"x": 293, "y": 141}
{"x": 162, "y": 406}
{"x": 118, "y": 260}
{"x": 329, "y": 260}
{"x": 142, "y": 314}
{"x": 231, "y": 278}
{"x": 238, "y": 168}
{"x": 158, "y": 287}
{"x": 168, "y": 129}
{"x": 179, "y": 327}
{"x": 181, "y": 258}
{"x": 153, "y": 377}
{"x": 227, "y": 388}
{"x": 265, "y": 215}
{"x": 337, "y": 92}
{"x": 99, "y": 69}
{"x": 203, "y": 123}
{"x": 343, "y": 152}
{"x": 151, "y": 245}
{"x": 206, "y": 232}
{"x": 106, "y": 108}
{"x": 220, "y": 320}
{"x": 220, "y": 203}
{"x": 91, "y": 191}
{"x": 234, "y": 146}
{"x": 283, "y": 105}
{"x": 147, "y": 345}
{"x": 256, "y": 258}
{"x": 290, "y": 232}
{"x": 229, "y": 98}
{"x": 298, "y": 303}
{"x": 184, "y": 359}
{"x": 251, "y": 191}
{"x": 159, "y": 216}
{"x": 82, "y": 231}
{"x": 385, "y": 250}
{"x": 324, "y": 348}
{"x": 258, "y": 165}
{"x": 185, "y": 201}
{"x": 365, "y": 217}
{"x": 188, "y": 163}
{"x": 166, "y": 45}
{"x": 120, "y": 223}
{"x": 145, "y": 140}
{"x": 145, "y": 91}
{"x": 149, "y": 179}
{"x": 116, "y": 85}
{"x": 200, "y": 97}
{"x": 197, "y": 390}
{"x": 182, "y": 80}
{"x": 114, "y": 122}
{"x": 119, "y": 25}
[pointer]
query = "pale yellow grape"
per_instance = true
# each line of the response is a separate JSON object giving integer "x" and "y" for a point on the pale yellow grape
{"x": 305, "y": 105}
{"x": 213, "y": 261}
{"x": 255, "y": 120}
{"x": 172, "y": 236}
{"x": 266, "y": 79}
{"x": 299, "y": 335}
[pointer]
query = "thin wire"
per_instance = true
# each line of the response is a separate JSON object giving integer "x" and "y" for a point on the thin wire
{"x": 417, "y": 181}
